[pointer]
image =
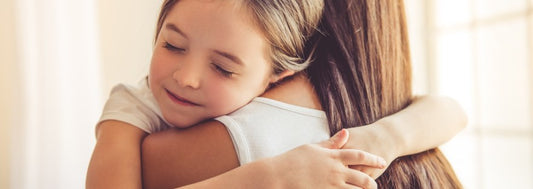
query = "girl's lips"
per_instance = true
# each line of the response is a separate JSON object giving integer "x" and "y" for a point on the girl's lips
{"x": 179, "y": 100}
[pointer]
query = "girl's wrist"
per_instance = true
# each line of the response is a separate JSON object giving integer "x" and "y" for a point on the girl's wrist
{"x": 386, "y": 131}
{"x": 378, "y": 138}
{"x": 264, "y": 173}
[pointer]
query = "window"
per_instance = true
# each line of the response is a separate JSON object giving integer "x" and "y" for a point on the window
{"x": 479, "y": 52}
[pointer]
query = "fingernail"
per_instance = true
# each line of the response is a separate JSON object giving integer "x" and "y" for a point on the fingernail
{"x": 338, "y": 134}
{"x": 343, "y": 132}
{"x": 383, "y": 162}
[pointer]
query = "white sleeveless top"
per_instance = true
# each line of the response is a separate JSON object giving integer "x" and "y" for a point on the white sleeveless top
{"x": 266, "y": 127}
{"x": 262, "y": 128}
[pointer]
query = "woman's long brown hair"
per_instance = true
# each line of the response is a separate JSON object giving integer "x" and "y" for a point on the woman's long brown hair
{"x": 362, "y": 72}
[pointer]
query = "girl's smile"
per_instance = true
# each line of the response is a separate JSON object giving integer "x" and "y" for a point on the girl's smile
{"x": 180, "y": 100}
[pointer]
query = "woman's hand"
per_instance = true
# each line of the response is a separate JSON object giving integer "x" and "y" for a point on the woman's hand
{"x": 324, "y": 165}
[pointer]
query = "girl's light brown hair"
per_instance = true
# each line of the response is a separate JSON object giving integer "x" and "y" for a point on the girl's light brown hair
{"x": 286, "y": 25}
{"x": 362, "y": 72}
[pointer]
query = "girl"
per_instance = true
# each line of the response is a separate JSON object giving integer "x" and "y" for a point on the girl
{"x": 210, "y": 58}
{"x": 205, "y": 64}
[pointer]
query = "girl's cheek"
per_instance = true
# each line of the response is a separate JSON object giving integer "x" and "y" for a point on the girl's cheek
{"x": 155, "y": 65}
{"x": 159, "y": 67}
{"x": 223, "y": 98}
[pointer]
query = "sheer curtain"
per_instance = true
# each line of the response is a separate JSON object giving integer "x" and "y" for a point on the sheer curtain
{"x": 67, "y": 56}
{"x": 59, "y": 93}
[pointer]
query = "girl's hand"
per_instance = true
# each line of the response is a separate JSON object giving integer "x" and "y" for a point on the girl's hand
{"x": 373, "y": 139}
{"x": 324, "y": 165}
{"x": 431, "y": 119}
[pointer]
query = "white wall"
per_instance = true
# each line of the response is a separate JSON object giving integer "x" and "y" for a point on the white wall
{"x": 126, "y": 31}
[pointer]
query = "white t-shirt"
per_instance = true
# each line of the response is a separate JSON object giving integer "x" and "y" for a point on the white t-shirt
{"x": 262, "y": 128}
{"x": 266, "y": 127}
{"x": 135, "y": 105}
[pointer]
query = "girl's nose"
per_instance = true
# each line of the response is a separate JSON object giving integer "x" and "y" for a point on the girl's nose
{"x": 188, "y": 76}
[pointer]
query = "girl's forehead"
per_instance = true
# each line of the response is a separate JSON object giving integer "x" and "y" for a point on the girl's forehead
{"x": 219, "y": 25}
{"x": 230, "y": 10}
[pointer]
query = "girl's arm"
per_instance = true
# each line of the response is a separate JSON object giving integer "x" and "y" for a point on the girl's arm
{"x": 176, "y": 158}
{"x": 116, "y": 159}
{"x": 307, "y": 166}
{"x": 202, "y": 145}
{"x": 426, "y": 123}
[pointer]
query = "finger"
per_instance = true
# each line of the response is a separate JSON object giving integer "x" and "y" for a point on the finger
{"x": 362, "y": 168}
{"x": 349, "y": 186}
{"x": 357, "y": 167}
{"x": 371, "y": 171}
{"x": 358, "y": 157}
{"x": 336, "y": 141}
{"x": 360, "y": 179}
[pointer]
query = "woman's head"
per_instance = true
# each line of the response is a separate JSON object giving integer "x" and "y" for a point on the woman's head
{"x": 362, "y": 73}
{"x": 213, "y": 56}
{"x": 362, "y": 70}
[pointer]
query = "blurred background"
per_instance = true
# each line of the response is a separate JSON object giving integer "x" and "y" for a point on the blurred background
{"x": 60, "y": 58}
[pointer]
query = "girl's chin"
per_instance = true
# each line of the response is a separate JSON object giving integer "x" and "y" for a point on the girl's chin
{"x": 183, "y": 124}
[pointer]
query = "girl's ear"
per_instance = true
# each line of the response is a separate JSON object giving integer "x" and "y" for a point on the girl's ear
{"x": 280, "y": 76}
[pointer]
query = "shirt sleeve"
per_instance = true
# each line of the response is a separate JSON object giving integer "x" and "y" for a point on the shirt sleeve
{"x": 123, "y": 105}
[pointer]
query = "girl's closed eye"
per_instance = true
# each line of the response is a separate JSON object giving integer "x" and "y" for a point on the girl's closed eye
{"x": 173, "y": 48}
{"x": 223, "y": 71}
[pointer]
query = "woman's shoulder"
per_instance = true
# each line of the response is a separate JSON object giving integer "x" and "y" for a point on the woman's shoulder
{"x": 296, "y": 91}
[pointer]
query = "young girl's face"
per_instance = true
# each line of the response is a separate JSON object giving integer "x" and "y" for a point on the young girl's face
{"x": 209, "y": 60}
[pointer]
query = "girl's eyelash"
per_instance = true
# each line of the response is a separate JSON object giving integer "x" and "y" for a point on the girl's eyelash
{"x": 222, "y": 71}
{"x": 219, "y": 69}
{"x": 172, "y": 47}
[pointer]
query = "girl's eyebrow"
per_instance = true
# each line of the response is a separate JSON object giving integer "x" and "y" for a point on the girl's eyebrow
{"x": 230, "y": 56}
{"x": 175, "y": 28}
{"x": 233, "y": 58}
